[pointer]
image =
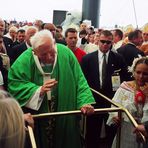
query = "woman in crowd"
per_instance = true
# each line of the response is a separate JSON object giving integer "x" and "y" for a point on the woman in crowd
{"x": 133, "y": 95}
{"x": 12, "y": 131}
{"x": 12, "y": 127}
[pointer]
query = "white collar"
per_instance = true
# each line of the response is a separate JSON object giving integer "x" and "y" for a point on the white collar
{"x": 100, "y": 55}
{"x": 39, "y": 64}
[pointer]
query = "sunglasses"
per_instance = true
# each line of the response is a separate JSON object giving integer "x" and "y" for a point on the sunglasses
{"x": 105, "y": 41}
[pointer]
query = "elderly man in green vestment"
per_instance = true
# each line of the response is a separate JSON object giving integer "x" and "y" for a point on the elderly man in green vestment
{"x": 48, "y": 78}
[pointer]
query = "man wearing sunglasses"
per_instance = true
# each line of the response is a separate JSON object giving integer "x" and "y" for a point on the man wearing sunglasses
{"x": 93, "y": 67}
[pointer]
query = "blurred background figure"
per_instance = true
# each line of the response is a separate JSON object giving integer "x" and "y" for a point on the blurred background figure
{"x": 91, "y": 46}
{"x": 12, "y": 33}
{"x": 51, "y": 27}
{"x": 20, "y": 37}
{"x": 72, "y": 20}
{"x": 17, "y": 50}
{"x": 117, "y": 38}
{"x": 83, "y": 26}
{"x": 130, "y": 51}
{"x": 38, "y": 24}
{"x": 126, "y": 30}
{"x": 144, "y": 46}
{"x": 59, "y": 29}
{"x": 5, "y": 46}
{"x": 82, "y": 39}
{"x": 71, "y": 38}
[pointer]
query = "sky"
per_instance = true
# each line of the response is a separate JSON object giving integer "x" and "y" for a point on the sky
{"x": 112, "y": 12}
{"x": 121, "y": 12}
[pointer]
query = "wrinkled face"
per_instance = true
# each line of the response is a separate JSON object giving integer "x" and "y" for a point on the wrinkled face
{"x": 141, "y": 74}
{"x": 21, "y": 36}
{"x": 46, "y": 52}
{"x": 105, "y": 43}
{"x": 71, "y": 40}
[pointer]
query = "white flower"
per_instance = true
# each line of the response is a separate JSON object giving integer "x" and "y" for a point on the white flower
{"x": 131, "y": 68}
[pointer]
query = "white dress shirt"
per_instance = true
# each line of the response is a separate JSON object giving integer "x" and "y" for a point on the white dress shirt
{"x": 100, "y": 59}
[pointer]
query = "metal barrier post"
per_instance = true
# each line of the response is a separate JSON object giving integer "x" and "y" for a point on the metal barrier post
{"x": 118, "y": 108}
{"x": 32, "y": 139}
{"x": 118, "y": 138}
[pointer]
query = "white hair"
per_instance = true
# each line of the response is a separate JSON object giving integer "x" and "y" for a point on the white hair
{"x": 12, "y": 132}
{"x": 28, "y": 28}
{"x": 136, "y": 61}
{"x": 38, "y": 39}
{"x": 13, "y": 28}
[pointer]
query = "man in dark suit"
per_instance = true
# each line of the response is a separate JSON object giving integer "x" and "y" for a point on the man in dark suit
{"x": 93, "y": 67}
{"x": 19, "y": 49}
{"x": 130, "y": 50}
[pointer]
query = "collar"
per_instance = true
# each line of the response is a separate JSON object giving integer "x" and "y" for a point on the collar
{"x": 39, "y": 65}
{"x": 28, "y": 46}
{"x": 100, "y": 54}
{"x": 131, "y": 43}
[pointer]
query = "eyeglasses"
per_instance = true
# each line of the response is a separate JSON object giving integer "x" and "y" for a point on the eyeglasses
{"x": 105, "y": 41}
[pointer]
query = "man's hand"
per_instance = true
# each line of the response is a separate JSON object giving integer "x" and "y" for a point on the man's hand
{"x": 116, "y": 120}
{"x": 29, "y": 119}
{"x": 47, "y": 86}
{"x": 87, "y": 109}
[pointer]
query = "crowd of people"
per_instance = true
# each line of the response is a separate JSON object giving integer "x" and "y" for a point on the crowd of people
{"x": 46, "y": 69}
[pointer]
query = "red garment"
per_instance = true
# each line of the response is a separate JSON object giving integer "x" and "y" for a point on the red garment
{"x": 79, "y": 53}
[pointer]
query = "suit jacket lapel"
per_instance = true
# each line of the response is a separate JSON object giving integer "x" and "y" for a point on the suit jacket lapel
{"x": 95, "y": 64}
{"x": 110, "y": 63}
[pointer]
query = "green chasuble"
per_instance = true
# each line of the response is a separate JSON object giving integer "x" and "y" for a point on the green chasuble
{"x": 72, "y": 92}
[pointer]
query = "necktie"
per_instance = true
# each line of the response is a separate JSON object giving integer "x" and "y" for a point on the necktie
{"x": 104, "y": 69}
